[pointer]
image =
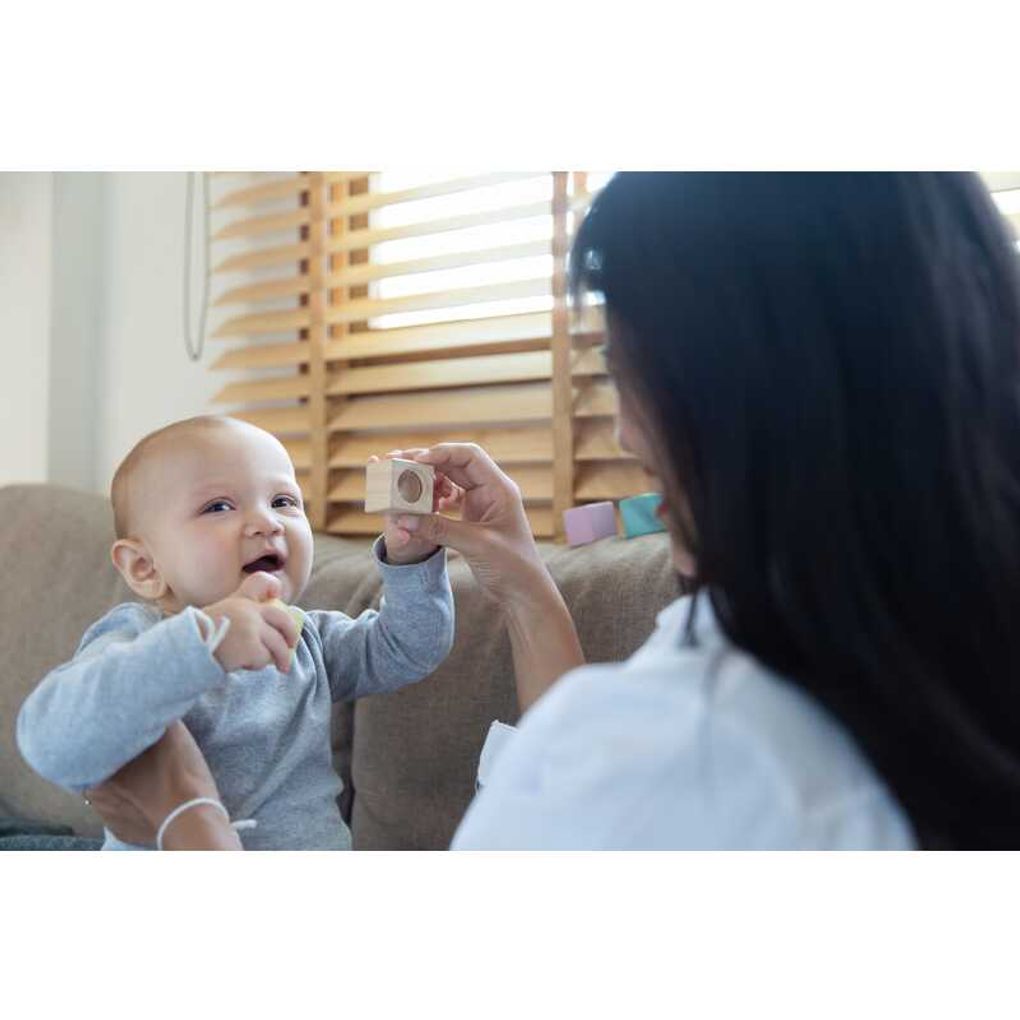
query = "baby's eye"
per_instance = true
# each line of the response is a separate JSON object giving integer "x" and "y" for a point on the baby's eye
{"x": 285, "y": 501}
{"x": 216, "y": 506}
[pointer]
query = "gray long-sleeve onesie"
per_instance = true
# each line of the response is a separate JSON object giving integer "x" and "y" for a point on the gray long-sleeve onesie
{"x": 265, "y": 734}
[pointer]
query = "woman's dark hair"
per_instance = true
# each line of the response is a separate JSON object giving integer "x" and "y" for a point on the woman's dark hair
{"x": 830, "y": 364}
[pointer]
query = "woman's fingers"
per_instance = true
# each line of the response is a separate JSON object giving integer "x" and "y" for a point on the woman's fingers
{"x": 467, "y": 464}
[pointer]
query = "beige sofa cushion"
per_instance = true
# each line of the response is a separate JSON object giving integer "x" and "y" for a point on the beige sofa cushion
{"x": 54, "y": 544}
{"x": 416, "y": 751}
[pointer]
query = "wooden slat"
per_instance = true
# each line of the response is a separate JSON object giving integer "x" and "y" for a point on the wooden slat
{"x": 535, "y": 482}
{"x": 264, "y": 322}
{"x": 595, "y": 399}
{"x": 611, "y": 480}
{"x": 431, "y": 375}
{"x": 343, "y": 176}
{"x": 364, "y": 238}
{"x": 562, "y": 389}
{"x": 252, "y": 226}
{"x": 281, "y": 421}
{"x": 442, "y": 336}
{"x": 256, "y": 193}
{"x": 541, "y": 520}
{"x": 454, "y": 260}
{"x": 262, "y": 257}
{"x": 525, "y": 402}
{"x": 318, "y": 405}
{"x": 288, "y": 388}
{"x": 588, "y": 361}
{"x": 366, "y": 308}
{"x": 268, "y": 291}
{"x": 347, "y": 521}
{"x": 596, "y": 440}
{"x": 263, "y": 356}
{"x": 451, "y": 186}
{"x": 505, "y": 446}
{"x": 354, "y": 522}
{"x": 300, "y": 453}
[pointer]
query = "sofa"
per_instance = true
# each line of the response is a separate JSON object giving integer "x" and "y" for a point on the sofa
{"x": 407, "y": 759}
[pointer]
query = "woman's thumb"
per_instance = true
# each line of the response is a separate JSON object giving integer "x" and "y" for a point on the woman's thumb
{"x": 260, "y": 587}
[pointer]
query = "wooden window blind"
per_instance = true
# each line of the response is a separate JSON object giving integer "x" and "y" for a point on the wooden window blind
{"x": 368, "y": 311}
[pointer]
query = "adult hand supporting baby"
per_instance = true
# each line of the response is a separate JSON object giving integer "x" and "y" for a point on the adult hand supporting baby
{"x": 261, "y": 631}
{"x": 494, "y": 537}
{"x": 134, "y": 801}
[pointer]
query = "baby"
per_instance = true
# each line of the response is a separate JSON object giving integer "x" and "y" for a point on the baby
{"x": 211, "y": 534}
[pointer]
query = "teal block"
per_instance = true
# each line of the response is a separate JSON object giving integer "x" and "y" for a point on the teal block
{"x": 638, "y": 514}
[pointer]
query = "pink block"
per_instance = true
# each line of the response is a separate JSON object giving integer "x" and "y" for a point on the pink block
{"x": 589, "y": 523}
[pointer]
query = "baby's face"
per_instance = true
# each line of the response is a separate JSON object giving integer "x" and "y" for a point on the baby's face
{"x": 219, "y": 505}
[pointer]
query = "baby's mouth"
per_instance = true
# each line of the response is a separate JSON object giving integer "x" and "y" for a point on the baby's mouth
{"x": 269, "y": 563}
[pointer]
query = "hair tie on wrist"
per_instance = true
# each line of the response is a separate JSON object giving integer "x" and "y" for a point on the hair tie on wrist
{"x": 247, "y": 823}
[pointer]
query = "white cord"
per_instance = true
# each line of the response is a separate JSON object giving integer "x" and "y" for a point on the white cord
{"x": 246, "y": 823}
{"x": 222, "y": 626}
{"x": 194, "y": 347}
{"x": 215, "y": 631}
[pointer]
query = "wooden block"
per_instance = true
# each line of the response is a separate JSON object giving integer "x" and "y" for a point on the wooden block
{"x": 589, "y": 523}
{"x": 638, "y": 514}
{"x": 398, "y": 486}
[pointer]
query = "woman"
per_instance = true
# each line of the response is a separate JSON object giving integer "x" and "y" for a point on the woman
{"x": 822, "y": 371}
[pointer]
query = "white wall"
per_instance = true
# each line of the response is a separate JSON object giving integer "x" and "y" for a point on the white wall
{"x": 91, "y": 322}
{"x": 26, "y": 206}
{"x": 147, "y": 379}
{"x": 76, "y": 327}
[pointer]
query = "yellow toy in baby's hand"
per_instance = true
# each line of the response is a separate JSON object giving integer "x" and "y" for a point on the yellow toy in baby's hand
{"x": 297, "y": 615}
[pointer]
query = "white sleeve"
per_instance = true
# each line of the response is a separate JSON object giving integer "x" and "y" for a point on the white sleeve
{"x": 498, "y": 737}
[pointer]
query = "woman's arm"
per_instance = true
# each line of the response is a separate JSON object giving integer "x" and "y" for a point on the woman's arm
{"x": 543, "y": 638}
{"x": 135, "y": 800}
{"x": 495, "y": 538}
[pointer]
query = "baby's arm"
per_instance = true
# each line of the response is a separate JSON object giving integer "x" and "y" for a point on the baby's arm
{"x": 405, "y": 640}
{"x": 127, "y": 682}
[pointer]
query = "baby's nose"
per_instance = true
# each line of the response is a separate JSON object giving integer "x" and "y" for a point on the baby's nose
{"x": 263, "y": 524}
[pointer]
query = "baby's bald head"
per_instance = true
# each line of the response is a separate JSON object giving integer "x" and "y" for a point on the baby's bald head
{"x": 135, "y": 479}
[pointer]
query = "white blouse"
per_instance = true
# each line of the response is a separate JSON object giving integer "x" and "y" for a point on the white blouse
{"x": 679, "y": 748}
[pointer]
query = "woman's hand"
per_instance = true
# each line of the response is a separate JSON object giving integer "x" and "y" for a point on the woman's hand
{"x": 493, "y": 533}
{"x": 134, "y": 801}
{"x": 494, "y": 536}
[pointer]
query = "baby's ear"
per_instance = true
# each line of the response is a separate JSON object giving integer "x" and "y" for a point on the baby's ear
{"x": 135, "y": 565}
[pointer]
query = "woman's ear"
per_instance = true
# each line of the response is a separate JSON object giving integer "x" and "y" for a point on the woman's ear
{"x": 136, "y": 566}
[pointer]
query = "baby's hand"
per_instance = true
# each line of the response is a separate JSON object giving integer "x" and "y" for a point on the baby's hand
{"x": 261, "y": 631}
{"x": 403, "y": 547}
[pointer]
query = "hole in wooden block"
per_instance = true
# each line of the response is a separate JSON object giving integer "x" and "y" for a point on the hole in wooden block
{"x": 409, "y": 486}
